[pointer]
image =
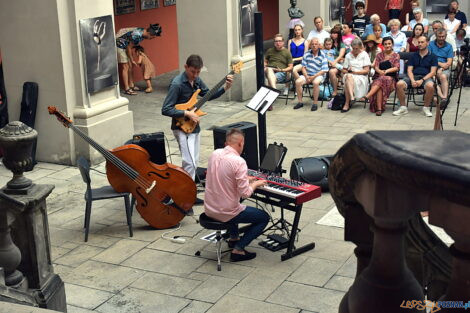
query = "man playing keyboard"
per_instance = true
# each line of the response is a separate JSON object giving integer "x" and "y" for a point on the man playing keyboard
{"x": 226, "y": 182}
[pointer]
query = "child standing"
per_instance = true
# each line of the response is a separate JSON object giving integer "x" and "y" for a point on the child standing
{"x": 361, "y": 20}
{"x": 148, "y": 69}
{"x": 394, "y": 8}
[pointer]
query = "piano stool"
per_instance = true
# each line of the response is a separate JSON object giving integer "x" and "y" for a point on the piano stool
{"x": 209, "y": 223}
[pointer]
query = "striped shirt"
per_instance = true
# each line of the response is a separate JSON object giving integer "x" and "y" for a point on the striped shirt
{"x": 314, "y": 64}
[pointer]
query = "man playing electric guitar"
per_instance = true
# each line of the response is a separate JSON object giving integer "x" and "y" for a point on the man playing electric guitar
{"x": 181, "y": 89}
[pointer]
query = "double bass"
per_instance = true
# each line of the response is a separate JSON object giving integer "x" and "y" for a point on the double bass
{"x": 164, "y": 193}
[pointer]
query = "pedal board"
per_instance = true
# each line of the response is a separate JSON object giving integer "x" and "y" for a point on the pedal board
{"x": 274, "y": 242}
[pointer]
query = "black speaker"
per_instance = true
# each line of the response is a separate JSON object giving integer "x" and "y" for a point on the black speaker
{"x": 250, "y": 151}
{"x": 154, "y": 143}
{"x": 313, "y": 170}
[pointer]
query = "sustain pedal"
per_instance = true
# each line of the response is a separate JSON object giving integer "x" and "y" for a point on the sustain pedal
{"x": 274, "y": 242}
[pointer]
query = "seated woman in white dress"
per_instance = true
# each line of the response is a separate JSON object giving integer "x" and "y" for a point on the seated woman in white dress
{"x": 356, "y": 70}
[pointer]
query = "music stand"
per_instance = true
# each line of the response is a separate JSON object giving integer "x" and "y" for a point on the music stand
{"x": 263, "y": 99}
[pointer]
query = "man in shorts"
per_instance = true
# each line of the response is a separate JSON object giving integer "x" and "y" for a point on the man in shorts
{"x": 422, "y": 67}
{"x": 314, "y": 68}
{"x": 278, "y": 64}
{"x": 445, "y": 56}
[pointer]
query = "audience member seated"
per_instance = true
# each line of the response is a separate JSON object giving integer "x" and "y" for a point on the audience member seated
{"x": 419, "y": 18}
{"x": 374, "y": 20}
{"x": 422, "y": 67}
{"x": 348, "y": 36}
{"x": 318, "y": 32}
{"x": 460, "y": 37}
{"x": 378, "y": 36}
{"x": 386, "y": 65}
{"x": 340, "y": 53}
{"x": 356, "y": 69}
{"x": 314, "y": 68}
{"x": 361, "y": 20}
{"x": 410, "y": 16}
{"x": 445, "y": 56}
{"x": 297, "y": 46}
{"x": 454, "y": 5}
{"x": 450, "y": 39}
{"x": 371, "y": 48}
{"x": 399, "y": 38}
{"x": 412, "y": 42}
{"x": 451, "y": 24}
{"x": 278, "y": 64}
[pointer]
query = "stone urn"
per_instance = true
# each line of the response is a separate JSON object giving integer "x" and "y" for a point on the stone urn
{"x": 16, "y": 141}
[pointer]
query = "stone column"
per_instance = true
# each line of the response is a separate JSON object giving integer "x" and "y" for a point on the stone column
{"x": 41, "y": 42}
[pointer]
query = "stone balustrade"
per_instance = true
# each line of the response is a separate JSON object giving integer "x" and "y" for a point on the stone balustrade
{"x": 380, "y": 181}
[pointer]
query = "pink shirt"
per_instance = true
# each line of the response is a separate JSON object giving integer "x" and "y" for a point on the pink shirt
{"x": 394, "y": 4}
{"x": 226, "y": 183}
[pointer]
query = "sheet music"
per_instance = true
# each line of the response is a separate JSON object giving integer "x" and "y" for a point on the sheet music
{"x": 263, "y": 99}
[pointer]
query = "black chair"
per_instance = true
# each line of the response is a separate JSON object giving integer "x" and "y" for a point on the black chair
{"x": 105, "y": 192}
{"x": 209, "y": 223}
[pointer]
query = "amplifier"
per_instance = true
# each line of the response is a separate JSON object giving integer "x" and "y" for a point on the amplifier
{"x": 250, "y": 151}
{"x": 154, "y": 143}
{"x": 312, "y": 170}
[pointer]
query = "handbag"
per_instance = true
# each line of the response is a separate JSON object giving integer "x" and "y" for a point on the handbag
{"x": 385, "y": 65}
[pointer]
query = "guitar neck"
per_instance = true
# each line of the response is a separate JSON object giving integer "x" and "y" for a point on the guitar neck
{"x": 126, "y": 169}
{"x": 211, "y": 92}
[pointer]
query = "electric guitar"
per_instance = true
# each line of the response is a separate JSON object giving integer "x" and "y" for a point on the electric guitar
{"x": 185, "y": 123}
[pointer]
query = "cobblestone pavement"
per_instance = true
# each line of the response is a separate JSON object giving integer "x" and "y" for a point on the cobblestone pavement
{"x": 146, "y": 273}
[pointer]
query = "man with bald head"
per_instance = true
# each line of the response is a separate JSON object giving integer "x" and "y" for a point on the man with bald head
{"x": 226, "y": 182}
{"x": 314, "y": 68}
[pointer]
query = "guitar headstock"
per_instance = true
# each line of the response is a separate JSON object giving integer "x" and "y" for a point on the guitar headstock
{"x": 60, "y": 116}
{"x": 237, "y": 67}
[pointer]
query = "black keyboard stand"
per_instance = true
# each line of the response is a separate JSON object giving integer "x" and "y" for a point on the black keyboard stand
{"x": 292, "y": 251}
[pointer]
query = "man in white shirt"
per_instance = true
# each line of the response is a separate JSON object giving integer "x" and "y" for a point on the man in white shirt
{"x": 319, "y": 32}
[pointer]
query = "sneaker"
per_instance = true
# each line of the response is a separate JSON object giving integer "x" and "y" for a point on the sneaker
{"x": 314, "y": 107}
{"x": 427, "y": 112}
{"x": 298, "y": 105}
{"x": 401, "y": 111}
{"x": 234, "y": 257}
{"x": 286, "y": 91}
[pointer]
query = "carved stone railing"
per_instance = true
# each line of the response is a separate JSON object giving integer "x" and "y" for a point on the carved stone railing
{"x": 380, "y": 181}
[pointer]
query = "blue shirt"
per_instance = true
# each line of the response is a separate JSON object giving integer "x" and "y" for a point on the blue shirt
{"x": 370, "y": 30}
{"x": 422, "y": 66}
{"x": 329, "y": 54}
{"x": 442, "y": 53}
{"x": 180, "y": 92}
{"x": 314, "y": 64}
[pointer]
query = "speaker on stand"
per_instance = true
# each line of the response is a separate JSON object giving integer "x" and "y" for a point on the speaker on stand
{"x": 250, "y": 151}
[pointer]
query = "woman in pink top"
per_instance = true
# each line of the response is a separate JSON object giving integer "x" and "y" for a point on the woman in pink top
{"x": 226, "y": 182}
{"x": 394, "y": 8}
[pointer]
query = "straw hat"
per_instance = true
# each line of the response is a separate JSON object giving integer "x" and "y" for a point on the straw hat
{"x": 371, "y": 37}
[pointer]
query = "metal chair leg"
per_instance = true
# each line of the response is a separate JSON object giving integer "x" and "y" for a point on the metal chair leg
{"x": 219, "y": 249}
{"x": 87, "y": 218}
{"x": 127, "y": 203}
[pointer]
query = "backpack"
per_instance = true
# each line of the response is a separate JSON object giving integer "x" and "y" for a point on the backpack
{"x": 325, "y": 92}
{"x": 338, "y": 102}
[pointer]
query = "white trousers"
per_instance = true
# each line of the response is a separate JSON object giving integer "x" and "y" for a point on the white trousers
{"x": 189, "y": 148}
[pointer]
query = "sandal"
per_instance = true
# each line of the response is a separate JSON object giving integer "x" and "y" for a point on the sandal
{"x": 378, "y": 112}
{"x": 130, "y": 92}
{"x": 135, "y": 88}
{"x": 149, "y": 90}
{"x": 365, "y": 99}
